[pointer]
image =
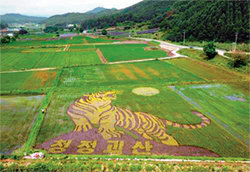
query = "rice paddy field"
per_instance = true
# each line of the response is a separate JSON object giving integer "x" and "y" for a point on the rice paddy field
{"x": 31, "y": 80}
{"x": 123, "y": 52}
{"x": 177, "y": 107}
{"x": 20, "y": 111}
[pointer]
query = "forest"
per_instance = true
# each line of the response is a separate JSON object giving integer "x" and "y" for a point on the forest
{"x": 200, "y": 20}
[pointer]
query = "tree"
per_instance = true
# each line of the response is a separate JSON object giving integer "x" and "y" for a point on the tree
{"x": 50, "y": 29}
{"x": 104, "y": 32}
{"x": 16, "y": 35}
{"x": 23, "y": 32}
{"x": 210, "y": 50}
{"x": 81, "y": 29}
{"x": 5, "y": 40}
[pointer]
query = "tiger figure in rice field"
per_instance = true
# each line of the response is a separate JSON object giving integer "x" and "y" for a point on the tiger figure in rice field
{"x": 97, "y": 110}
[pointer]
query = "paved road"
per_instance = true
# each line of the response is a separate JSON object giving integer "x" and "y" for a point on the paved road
{"x": 174, "y": 48}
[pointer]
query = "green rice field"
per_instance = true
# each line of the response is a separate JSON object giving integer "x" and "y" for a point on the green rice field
{"x": 98, "y": 40}
{"x": 27, "y": 80}
{"x": 52, "y": 74}
{"x": 19, "y": 61}
{"x": 20, "y": 111}
{"x": 121, "y": 52}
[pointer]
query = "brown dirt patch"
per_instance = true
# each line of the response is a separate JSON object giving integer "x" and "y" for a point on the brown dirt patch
{"x": 123, "y": 70}
{"x": 85, "y": 41}
{"x": 150, "y": 48}
{"x": 102, "y": 58}
{"x": 169, "y": 53}
{"x": 66, "y": 48}
{"x": 140, "y": 72}
{"x": 42, "y": 76}
{"x": 154, "y": 72}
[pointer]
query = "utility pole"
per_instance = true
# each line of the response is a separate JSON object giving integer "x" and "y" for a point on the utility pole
{"x": 234, "y": 43}
{"x": 184, "y": 37}
{"x": 236, "y": 37}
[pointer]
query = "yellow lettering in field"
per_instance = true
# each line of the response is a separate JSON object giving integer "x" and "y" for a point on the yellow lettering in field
{"x": 59, "y": 146}
{"x": 114, "y": 147}
{"x": 140, "y": 149}
{"x": 86, "y": 147}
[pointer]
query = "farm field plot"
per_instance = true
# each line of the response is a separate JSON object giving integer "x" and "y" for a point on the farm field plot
{"x": 20, "y": 111}
{"x": 146, "y": 72}
{"x": 49, "y": 41}
{"x": 17, "y": 61}
{"x": 210, "y": 140}
{"x": 47, "y": 49}
{"x": 207, "y": 71}
{"x": 6, "y": 49}
{"x": 227, "y": 106}
{"x": 218, "y": 60}
{"x": 124, "y": 52}
{"x": 27, "y": 80}
{"x": 84, "y": 47}
{"x": 98, "y": 40}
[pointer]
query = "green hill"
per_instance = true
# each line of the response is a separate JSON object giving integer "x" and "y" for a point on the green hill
{"x": 18, "y": 18}
{"x": 200, "y": 20}
{"x": 151, "y": 12}
{"x": 208, "y": 20}
{"x": 77, "y": 18}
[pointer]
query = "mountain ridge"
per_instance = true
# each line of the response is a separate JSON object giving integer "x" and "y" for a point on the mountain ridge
{"x": 77, "y": 18}
{"x": 20, "y": 18}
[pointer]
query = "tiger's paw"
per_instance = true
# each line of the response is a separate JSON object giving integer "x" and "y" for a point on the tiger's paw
{"x": 170, "y": 141}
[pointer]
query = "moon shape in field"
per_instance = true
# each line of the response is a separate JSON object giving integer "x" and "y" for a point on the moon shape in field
{"x": 145, "y": 91}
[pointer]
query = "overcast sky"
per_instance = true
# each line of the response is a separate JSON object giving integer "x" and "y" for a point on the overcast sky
{"x": 51, "y": 7}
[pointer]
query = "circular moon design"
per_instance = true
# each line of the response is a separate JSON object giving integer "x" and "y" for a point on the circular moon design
{"x": 145, "y": 91}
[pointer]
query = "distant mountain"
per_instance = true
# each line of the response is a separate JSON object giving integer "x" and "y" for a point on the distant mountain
{"x": 18, "y": 18}
{"x": 96, "y": 10}
{"x": 152, "y": 12}
{"x": 77, "y": 18}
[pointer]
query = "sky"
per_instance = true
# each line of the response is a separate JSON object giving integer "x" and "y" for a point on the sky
{"x": 48, "y": 8}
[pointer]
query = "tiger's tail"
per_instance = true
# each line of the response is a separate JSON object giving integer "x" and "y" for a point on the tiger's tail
{"x": 205, "y": 122}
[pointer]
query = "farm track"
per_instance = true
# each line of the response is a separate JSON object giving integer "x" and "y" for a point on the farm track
{"x": 144, "y": 60}
{"x": 102, "y": 58}
{"x": 29, "y": 70}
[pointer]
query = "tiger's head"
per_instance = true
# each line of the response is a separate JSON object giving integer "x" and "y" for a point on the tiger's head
{"x": 101, "y": 98}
